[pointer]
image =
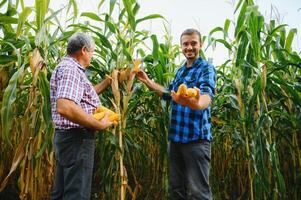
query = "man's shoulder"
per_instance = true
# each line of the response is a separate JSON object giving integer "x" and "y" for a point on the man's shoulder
{"x": 66, "y": 65}
{"x": 204, "y": 63}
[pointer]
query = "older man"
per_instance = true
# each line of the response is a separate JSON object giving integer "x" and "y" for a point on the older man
{"x": 73, "y": 99}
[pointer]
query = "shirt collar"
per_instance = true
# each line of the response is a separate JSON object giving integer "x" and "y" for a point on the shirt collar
{"x": 71, "y": 59}
{"x": 196, "y": 63}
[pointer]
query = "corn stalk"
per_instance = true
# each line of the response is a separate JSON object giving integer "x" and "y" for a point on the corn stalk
{"x": 251, "y": 86}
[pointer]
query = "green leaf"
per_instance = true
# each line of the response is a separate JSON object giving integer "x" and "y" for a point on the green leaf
{"x": 22, "y": 18}
{"x": 216, "y": 29}
{"x": 44, "y": 88}
{"x": 128, "y": 7}
{"x": 153, "y": 16}
{"x": 155, "y": 52}
{"x": 289, "y": 39}
{"x": 226, "y": 26}
{"x": 225, "y": 43}
{"x": 136, "y": 9}
{"x": 3, "y": 2}
{"x": 9, "y": 97}
{"x": 112, "y": 5}
{"x": 19, "y": 59}
{"x": 4, "y": 59}
{"x": 8, "y": 20}
{"x": 241, "y": 19}
{"x": 53, "y": 15}
{"x": 41, "y": 7}
{"x": 91, "y": 16}
{"x": 111, "y": 26}
{"x": 72, "y": 3}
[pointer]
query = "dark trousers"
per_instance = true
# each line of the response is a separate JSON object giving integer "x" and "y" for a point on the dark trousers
{"x": 189, "y": 166}
{"x": 74, "y": 151}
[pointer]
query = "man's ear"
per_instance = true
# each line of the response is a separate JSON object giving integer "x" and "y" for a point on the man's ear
{"x": 83, "y": 50}
{"x": 201, "y": 44}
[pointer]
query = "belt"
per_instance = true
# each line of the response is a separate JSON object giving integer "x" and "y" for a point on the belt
{"x": 199, "y": 141}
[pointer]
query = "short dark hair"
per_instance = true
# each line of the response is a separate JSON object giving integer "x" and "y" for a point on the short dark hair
{"x": 79, "y": 40}
{"x": 191, "y": 31}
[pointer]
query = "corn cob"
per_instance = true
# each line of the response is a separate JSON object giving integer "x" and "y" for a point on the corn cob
{"x": 100, "y": 112}
{"x": 182, "y": 89}
{"x": 103, "y": 109}
{"x": 99, "y": 116}
{"x": 114, "y": 117}
{"x": 191, "y": 92}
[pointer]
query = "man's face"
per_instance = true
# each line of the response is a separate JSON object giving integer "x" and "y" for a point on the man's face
{"x": 191, "y": 46}
{"x": 88, "y": 54}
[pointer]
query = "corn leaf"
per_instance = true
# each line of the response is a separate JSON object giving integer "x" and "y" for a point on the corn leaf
{"x": 289, "y": 39}
{"x": 9, "y": 98}
{"x": 153, "y": 16}
{"x": 22, "y": 19}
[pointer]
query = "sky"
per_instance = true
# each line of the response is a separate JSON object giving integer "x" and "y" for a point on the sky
{"x": 208, "y": 14}
{"x": 203, "y": 15}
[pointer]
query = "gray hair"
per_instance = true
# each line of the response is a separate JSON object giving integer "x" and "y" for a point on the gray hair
{"x": 79, "y": 40}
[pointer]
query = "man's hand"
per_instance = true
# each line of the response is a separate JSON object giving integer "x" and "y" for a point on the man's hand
{"x": 199, "y": 102}
{"x": 142, "y": 76}
{"x": 71, "y": 111}
{"x": 100, "y": 87}
{"x": 105, "y": 122}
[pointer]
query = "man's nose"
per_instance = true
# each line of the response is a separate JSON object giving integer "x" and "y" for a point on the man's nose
{"x": 189, "y": 46}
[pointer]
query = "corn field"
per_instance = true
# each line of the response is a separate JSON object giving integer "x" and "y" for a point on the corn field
{"x": 256, "y": 111}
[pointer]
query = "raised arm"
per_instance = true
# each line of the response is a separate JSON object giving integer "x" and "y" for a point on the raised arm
{"x": 142, "y": 76}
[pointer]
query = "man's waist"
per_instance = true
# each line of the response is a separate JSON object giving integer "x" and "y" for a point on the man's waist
{"x": 77, "y": 132}
{"x": 197, "y": 141}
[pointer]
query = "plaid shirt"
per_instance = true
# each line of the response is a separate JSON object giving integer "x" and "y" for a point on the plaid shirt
{"x": 190, "y": 125}
{"x": 68, "y": 81}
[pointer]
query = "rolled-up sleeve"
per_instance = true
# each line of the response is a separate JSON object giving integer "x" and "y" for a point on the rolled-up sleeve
{"x": 207, "y": 81}
{"x": 166, "y": 96}
{"x": 69, "y": 85}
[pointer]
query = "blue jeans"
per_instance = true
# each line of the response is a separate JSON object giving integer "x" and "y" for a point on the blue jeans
{"x": 74, "y": 151}
{"x": 189, "y": 166}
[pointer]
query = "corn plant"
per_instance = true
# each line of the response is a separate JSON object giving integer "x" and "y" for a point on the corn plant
{"x": 256, "y": 112}
{"x": 27, "y": 48}
{"x": 257, "y": 109}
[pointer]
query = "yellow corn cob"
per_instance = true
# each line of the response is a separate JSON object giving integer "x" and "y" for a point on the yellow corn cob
{"x": 114, "y": 117}
{"x": 191, "y": 92}
{"x": 99, "y": 116}
{"x": 182, "y": 89}
{"x": 103, "y": 109}
{"x": 136, "y": 65}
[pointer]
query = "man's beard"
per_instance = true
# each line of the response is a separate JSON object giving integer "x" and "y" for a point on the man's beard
{"x": 190, "y": 55}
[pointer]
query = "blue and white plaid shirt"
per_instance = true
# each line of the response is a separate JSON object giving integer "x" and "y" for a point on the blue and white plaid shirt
{"x": 190, "y": 125}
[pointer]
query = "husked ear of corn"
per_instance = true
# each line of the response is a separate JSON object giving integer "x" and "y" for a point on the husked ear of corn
{"x": 114, "y": 117}
{"x": 136, "y": 65}
{"x": 103, "y": 109}
{"x": 100, "y": 112}
{"x": 191, "y": 92}
{"x": 99, "y": 116}
{"x": 182, "y": 89}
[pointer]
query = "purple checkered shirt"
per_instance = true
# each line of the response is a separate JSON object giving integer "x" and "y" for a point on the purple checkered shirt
{"x": 69, "y": 81}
